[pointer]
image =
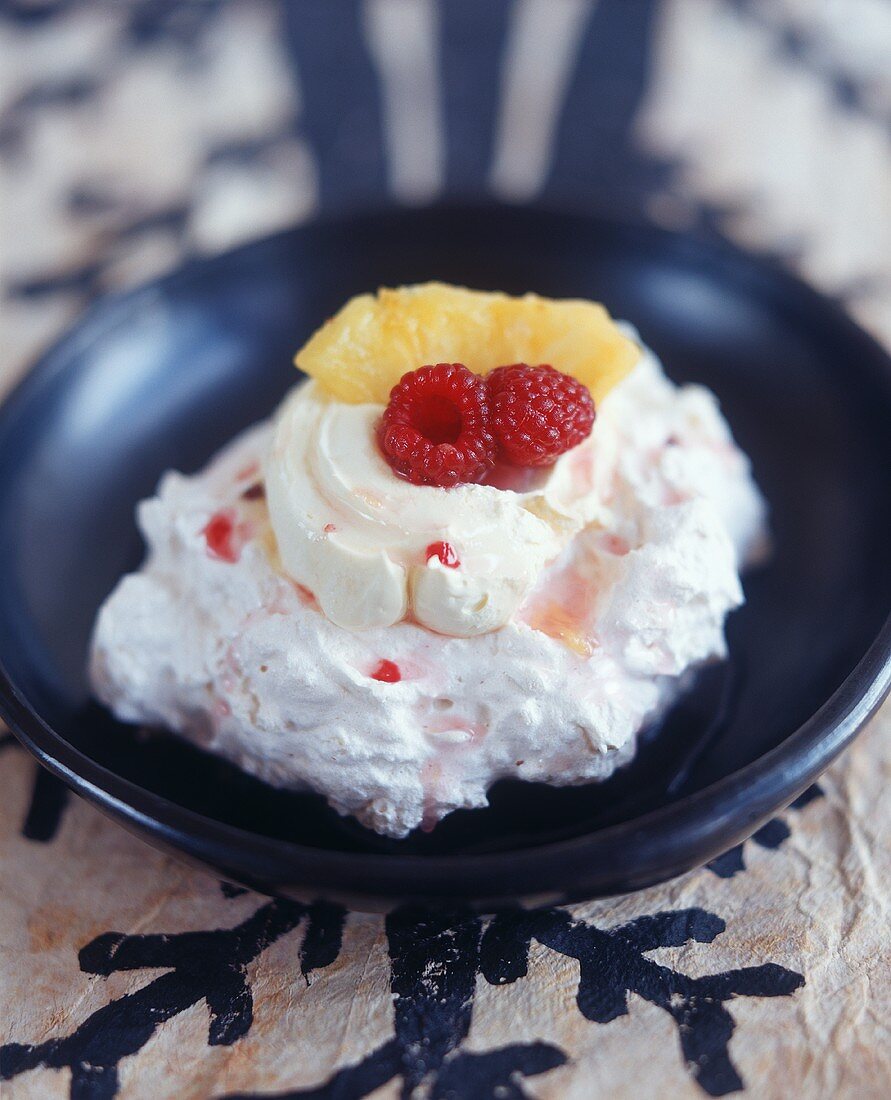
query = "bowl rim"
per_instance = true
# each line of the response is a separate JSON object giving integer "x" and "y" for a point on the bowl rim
{"x": 660, "y": 843}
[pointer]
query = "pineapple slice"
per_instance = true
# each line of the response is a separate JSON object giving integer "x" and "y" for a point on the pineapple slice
{"x": 363, "y": 351}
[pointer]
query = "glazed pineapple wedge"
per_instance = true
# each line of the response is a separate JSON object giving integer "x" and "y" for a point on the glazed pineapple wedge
{"x": 363, "y": 351}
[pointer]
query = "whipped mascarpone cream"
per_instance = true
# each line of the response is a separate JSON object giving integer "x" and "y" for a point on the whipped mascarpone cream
{"x": 578, "y": 605}
{"x": 357, "y": 536}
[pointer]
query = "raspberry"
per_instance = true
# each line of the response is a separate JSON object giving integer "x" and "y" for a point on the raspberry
{"x": 225, "y": 538}
{"x": 254, "y": 492}
{"x": 387, "y": 672}
{"x": 445, "y": 552}
{"x": 497, "y": 379}
{"x": 537, "y": 413}
{"x": 435, "y": 430}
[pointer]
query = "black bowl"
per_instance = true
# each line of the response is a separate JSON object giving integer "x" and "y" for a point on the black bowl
{"x": 162, "y": 376}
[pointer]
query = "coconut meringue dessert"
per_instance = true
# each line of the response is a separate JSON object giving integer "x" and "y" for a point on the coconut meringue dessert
{"x": 486, "y": 538}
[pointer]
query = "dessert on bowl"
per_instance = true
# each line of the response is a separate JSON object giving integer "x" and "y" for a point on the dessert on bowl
{"x": 487, "y": 538}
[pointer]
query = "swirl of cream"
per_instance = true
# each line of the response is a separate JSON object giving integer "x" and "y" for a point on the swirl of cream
{"x": 358, "y": 536}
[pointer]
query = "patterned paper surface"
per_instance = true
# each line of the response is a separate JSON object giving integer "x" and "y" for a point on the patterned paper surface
{"x": 133, "y": 135}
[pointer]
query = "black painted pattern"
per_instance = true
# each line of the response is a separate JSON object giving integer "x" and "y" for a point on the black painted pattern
{"x": 203, "y": 966}
{"x": 613, "y": 964}
{"x": 472, "y": 43}
{"x": 341, "y": 107}
{"x": 596, "y": 161}
{"x": 797, "y": 46}
{"x": 434, "y": 962}
{"x": 435, "y": 959}
{"x": 775, "y": 833}
{"x": 49, "y": 797}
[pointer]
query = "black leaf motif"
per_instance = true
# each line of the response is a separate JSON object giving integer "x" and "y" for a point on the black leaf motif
{"x": 803, "y": 49}
{"x": 434, "y": 962}
{"x": 208, "y": 966}
{"x": 323, "y": 938}
{"x": 772, "y": 835}
{"x": 49, "y": 797}
{"x": 613, "y": 964}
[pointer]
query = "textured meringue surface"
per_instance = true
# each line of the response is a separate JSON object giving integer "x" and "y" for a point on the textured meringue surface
{"x": 240, "y": 656}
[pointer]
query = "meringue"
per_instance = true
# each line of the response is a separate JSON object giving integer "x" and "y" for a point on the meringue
{"x": 603, "y": 586}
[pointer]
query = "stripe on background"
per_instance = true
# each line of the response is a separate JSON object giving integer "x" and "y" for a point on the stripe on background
{"x": 402, "y": 40}
{"x": 860, "y": 86}
{"x": 473, "y": 35}
{"x": 542, "y": 48}
{"x": 595, "y": 161}
{"x": 341, "y": 116}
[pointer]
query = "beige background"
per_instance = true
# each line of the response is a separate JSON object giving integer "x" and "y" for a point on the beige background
{"x": 787, "y": 165}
